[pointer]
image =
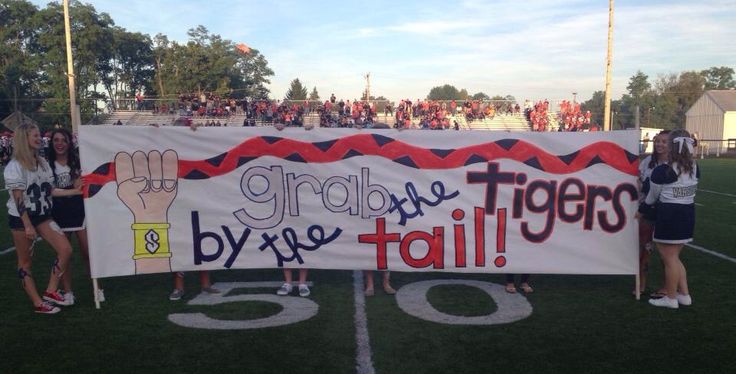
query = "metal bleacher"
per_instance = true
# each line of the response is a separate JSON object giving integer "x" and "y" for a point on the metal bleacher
{"x": 500, "y": 123}
{"x": 144, "y": 118}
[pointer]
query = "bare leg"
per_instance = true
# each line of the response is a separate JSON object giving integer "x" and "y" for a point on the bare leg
{"x": 287, "y": 276}
{"x": 179, "y": 281}
{"x": 66, "y": 279}
{"x": 682, "y": 286}
{"x": 204, "y": 279}
{"x": 63, "y": 249}
{"x": 368, "y": 275}
{"x": 22, "y": 245}
{"x": 303, "y": 276}
{"x": 672, "y": 267}
{"x": 387, "y": 283}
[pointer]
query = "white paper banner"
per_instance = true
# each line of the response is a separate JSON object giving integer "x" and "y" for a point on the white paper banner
{"x": 172, "y": 199}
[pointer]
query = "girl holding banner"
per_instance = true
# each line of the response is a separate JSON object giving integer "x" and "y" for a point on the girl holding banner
{"x": 68, "y": 211}
{"x": 29, "y": 179}
{"x": 648, "y": 216}
{"x": 672, "y": 188}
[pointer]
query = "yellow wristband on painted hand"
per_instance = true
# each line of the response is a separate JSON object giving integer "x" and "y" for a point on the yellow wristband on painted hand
{"x": 151, "y": 240}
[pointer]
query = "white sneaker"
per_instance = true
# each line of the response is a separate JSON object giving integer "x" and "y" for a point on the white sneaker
{"x": 665, "y": 302}
{"x": 685, "y": 300}
{"x": 68, "y": 298}
{"x": 304, "y": 290}
{"x": 100, "y": 295}
{"x": 284, "y": 290}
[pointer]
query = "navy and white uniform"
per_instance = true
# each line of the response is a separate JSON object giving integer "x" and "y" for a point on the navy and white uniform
{"x": 645, "y": 175}
{"x": 36, "y": 185}
{"x": 68, "y": 211}
{"x": 674, "y": 195}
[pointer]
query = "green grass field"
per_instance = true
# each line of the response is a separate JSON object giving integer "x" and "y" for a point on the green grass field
{"x": 579, "y": 324}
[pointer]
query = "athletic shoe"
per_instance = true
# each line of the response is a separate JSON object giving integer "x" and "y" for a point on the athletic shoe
{"x": 46, "y": 308}
{"x": 370, "y": 292}
{"x": 304, "y": 290}
{"x": 389, "y": 290}
{"x": 665, "y": 302}
{"x": 211, "y": 290}
{"x": 685, "y": 300}
{"x": 68, "y": 297}
{"x": 284, "y": 290}
{"x": 100, "y": 295}
{"x": 55, "y": 298}
{"x": 176, "y": 294}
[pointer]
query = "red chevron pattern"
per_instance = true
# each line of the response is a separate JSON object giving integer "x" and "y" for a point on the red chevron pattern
{"x": 409, "y": 155}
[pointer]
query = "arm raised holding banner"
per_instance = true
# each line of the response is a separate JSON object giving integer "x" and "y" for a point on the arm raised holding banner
{"x": 147, "y": 185}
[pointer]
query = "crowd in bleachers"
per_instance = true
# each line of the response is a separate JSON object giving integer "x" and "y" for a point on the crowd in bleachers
{"x": 538, "y": 117}
{"x": 572, "y": 117}
{"x": 423, "y": 114}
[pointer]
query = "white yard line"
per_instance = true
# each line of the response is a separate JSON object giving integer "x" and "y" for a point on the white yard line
{"x": 11, "y": 249}
{"x": 712, "y": 253}
{"x": 717, "y": 193}
{"x": 699, "y": 204}
{"x": 363, "y": 355}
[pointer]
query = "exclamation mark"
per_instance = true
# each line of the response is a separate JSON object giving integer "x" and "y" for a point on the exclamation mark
{"x": 500, "y": 261}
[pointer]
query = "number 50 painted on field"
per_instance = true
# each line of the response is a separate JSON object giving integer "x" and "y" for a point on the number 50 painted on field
{"x": 411, "y": 298}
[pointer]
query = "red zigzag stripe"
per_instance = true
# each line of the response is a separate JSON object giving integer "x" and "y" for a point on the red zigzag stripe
{"x": 609, "y": 153}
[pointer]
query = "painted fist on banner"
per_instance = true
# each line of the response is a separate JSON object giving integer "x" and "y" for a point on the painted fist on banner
{"x": 147, "y": 185}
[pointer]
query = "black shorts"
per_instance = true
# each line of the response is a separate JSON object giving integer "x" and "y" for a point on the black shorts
{"x": 68, "y": 213}
{"x": 15, "y": 223}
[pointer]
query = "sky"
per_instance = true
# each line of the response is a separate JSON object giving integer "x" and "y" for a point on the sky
{"x": 529, "y": 49}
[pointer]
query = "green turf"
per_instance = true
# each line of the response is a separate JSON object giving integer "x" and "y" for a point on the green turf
{"x": 579, "y": 324}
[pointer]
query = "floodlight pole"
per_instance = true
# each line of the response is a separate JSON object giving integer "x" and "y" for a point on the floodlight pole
{"x": 70, "y": 70}
{"x": 609, "y": 56}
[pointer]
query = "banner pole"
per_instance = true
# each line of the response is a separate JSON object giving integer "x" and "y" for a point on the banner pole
{"x": 638, "y": 284}
{"x": 95, "y": 289}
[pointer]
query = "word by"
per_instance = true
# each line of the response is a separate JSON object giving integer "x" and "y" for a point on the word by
{"x": 315, "y": 234}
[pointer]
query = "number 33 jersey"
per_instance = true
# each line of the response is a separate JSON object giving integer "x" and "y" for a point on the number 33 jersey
{"x": 36, "y": 186}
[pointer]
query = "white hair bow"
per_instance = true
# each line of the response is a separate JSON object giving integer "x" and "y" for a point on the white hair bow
{"x": 689, "y": 142}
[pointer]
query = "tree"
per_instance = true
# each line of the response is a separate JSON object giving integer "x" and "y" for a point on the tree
{"x": 447, "y": 92}
{"x": 719, "y": 78}
{"x": 596, "y": 107}
{"x": 296, "y": 91}
{"x": 638, "y": 87}
{"x": 314, "y": 95}
{"x": 19, "y": 66}
{"x": 480, "y": 96}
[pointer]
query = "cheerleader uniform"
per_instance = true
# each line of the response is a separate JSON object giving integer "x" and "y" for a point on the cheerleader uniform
{"x": 674, "y": 196}
{"x": 36, "y": 186}
{"x": 645, "y": 175}
{"x": 68, "y": 211}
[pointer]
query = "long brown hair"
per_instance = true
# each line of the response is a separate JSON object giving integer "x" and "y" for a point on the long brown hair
{"x": 681, "y": 155}
{"x": 654, "y": 160}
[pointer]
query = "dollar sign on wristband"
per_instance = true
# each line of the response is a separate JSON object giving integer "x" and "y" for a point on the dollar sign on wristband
{"x": 152, "y": 243}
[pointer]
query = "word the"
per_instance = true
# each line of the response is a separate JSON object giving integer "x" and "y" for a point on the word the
{"x": 315, "y": 234}
{"x": 415, "y": 200}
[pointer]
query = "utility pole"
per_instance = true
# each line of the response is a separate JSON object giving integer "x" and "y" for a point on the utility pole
{"x": 70, "y": 71}
{"x": 609, "y": 56}
{"x": 367, "y": 77}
